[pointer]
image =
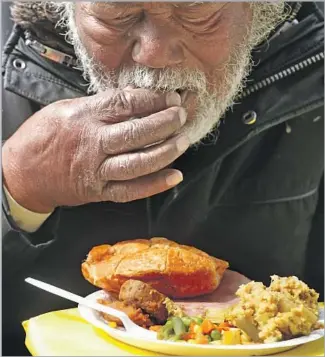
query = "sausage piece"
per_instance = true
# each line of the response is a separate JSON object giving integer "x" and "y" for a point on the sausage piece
{"x": 143, "y": 296}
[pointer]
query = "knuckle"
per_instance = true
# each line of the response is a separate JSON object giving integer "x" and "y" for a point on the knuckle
{"x": 73, "y": 109}
{"x": 117, "y": 168}
{"x": 123, "y": 167}
{"x": 105, "y": 170}
{"x": 125, "y": 136}
{"x": 121, "y": 193}
{"x": 133, "y": 131}
{"x": 98, "y": 107}
{"x": 142, "y": 164}
{"x": 149, "y": 99}
{"x": 147, "y": 161}
{"x": 129, "y": 168}
{"x": 123, "y": 101}
{"x": 63, "y": 109}
{"x": 106, "y": 141}
{"x": 117, "y": 138}
{"x": 88, "y": 186}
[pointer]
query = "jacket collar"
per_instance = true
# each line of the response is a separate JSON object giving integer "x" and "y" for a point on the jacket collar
{"x": 42, "y": 19}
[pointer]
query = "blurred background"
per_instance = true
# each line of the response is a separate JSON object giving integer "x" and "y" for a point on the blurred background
{"x": 6, "y": 22}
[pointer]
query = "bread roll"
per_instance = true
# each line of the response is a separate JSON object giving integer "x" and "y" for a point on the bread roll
{"x": 178, "y": 271}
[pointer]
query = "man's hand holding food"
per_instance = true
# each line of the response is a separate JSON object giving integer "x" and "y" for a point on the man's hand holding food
{"x": 113, "y": 146}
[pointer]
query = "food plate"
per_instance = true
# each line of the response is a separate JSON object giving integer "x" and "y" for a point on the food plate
{"x": 183, "y": 348}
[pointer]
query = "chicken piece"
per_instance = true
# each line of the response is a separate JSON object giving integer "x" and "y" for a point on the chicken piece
{"x": 143, "y": 296}
{"x": 135, "y": 314}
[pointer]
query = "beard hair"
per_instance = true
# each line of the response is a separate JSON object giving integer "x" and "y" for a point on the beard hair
{"x": 211, "y": 105}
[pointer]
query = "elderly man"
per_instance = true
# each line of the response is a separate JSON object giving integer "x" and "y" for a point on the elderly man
{"x": 200, "y": 122}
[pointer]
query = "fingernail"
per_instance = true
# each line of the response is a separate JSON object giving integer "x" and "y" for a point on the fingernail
{"x": 173, "y": 99}
{"x": 182, "y": 143}
{"x": 136, "y": 49}
{"x": 174, "y": 178}
{"x": 182, "y": 115}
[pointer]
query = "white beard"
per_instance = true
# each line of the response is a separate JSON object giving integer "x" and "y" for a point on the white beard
{"x": 211, "y": 105}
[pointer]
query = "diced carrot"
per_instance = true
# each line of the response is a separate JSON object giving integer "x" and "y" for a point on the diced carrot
{"x": 223, "y": 326}
{"x": 191, "y": 328}
{"x": 155, "y": 328}
{"x": 188, "y": 336}
{"x": 207, "y": 326}
{"x": 202, "y": 339}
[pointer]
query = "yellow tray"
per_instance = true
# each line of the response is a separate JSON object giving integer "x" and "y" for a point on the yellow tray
{"x": 65, "y": 333}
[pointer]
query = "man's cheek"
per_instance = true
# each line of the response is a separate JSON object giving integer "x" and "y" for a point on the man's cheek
{"x": 216, "y": 49}
{"x": 109, "y": 58}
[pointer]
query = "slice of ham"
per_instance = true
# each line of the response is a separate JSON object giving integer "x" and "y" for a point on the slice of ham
{"x": 223, "y": 297}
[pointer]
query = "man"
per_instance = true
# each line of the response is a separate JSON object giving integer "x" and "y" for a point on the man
{"x": 200, "y": 122}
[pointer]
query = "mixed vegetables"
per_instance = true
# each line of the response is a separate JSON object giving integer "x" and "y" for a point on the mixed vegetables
{"x": 198, "y": 330}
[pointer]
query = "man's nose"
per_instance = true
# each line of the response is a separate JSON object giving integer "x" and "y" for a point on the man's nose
{"x": 156, "y": 47}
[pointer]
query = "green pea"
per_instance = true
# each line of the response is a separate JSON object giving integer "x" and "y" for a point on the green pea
{"x": 215, "y": 335}
{"x": 178, "y": 326}
{"x": 198, "y": 320}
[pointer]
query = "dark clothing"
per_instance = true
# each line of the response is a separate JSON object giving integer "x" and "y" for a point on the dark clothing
{"x": 253, "y": 198}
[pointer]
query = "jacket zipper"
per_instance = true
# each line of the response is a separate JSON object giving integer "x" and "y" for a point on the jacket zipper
{"x": 253, "y": 89}
{"x": 282, "y": 74}
{"x": 294, "y": 12}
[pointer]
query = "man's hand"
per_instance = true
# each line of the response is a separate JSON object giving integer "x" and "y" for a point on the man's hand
{"x": 92, "y": 149}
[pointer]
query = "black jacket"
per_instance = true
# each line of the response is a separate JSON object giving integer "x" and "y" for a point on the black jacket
{"x": 254, "y": 197}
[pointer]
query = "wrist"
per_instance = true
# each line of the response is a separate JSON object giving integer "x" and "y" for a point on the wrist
{"x": 17, "y": 184}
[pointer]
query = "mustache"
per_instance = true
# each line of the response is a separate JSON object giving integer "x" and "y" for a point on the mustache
{"x": 168, "y": 79}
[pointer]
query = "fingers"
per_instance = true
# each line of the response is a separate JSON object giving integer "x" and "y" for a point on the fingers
{"x": 141, "y": 187}
{"x": 138, "y": 133}
{"x": 120, "y": 105}
{"x": 152, "y": 159}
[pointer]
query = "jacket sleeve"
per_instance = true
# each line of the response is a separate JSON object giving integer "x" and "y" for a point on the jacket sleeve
{"x": 19, "y": 248}
{"x": 25, "y": 219}
{"x": 314, "y": 268}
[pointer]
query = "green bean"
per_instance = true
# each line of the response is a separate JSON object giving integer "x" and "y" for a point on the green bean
{"x": 166, "y": 331}
{"x": 215, "y": 335}
{"x": 178, "y": 326}
{"x": 174, "y": 338}
{"x": 187, "y": 321}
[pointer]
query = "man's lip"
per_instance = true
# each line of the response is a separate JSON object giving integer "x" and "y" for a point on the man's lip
{"x": 183, "y": 95}
{"x": 182, "y": 92}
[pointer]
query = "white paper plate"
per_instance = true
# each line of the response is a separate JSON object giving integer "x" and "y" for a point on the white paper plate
{"x": 183, "y": 348}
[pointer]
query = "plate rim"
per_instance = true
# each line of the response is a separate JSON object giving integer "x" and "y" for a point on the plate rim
{"x": 295, "y": 342}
